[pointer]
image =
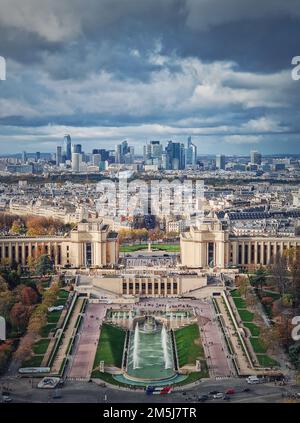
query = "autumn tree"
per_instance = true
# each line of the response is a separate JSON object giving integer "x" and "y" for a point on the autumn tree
{"x": 279, "y": 273}
{"x": 270, "y": 336}
{"x": 244, "y": 286}
{"x": 19, "y": 316}
{"x": 31, "y": 262}
{"x": 294, "y": 267}
{"x": 25, "y": 347}
{"x": 285, "y": 327}
{"x": 29, "y": 296}
{"x": 38, "y": 319}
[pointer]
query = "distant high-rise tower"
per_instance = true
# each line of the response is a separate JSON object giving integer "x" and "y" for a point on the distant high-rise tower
{"x": 175, "y": 156}
{"x": 220, "y": 161}
{"x": 76, "y": 148}
{"x": 76, "y": 162}
{"x": 190, "y": 153}
{"x": 67, "y": 147}
{"x": 37, "y": 156}
{"x": 121, "y": 150}
{"x": 58, "y": 155}
{"x": 24, "y": 157}
{"x": 255, "y": 157}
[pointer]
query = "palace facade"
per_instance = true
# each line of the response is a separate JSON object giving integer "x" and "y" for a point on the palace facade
{"x": 211, "y": 245}
{"x": 90, "y": 244}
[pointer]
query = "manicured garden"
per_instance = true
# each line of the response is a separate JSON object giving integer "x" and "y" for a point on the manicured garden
{"x": 40, "y": 347}
{"x": 266, "y": 361}
{"x": 240, "y": 303}
{"x": 254, "y": 329}
{"x": 173, "y": 248}
{"x": 257, "y": 343}
{"x": 45, "y": 331}
{"x": 54, "y": 316}
{"x": 258, "y": 346}
{"x": 110, "y": 346}
{"x": 189, "y": 346}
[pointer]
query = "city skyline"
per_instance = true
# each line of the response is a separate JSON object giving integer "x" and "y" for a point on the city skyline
{"x": 110, "y": 74}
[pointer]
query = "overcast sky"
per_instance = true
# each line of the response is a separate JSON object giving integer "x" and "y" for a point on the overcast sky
{"x": 108, "y": 70}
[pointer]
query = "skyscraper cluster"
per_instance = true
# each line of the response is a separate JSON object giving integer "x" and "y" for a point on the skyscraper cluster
{"x": 175, "y": 156}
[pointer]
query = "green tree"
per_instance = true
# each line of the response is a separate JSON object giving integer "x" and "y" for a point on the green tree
{"x": 259, "y": 279}
{"x": 294, "y": 355}
{"x": 44, "y": 265}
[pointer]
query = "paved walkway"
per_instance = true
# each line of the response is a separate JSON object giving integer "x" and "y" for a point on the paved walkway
{"x": 88, "y": 338}
{"x": 214, "y": 346}
{"x": 241, "y": 359}
{"x": 62, "y": 351}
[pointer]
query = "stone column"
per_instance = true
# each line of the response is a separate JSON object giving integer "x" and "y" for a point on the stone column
{"x": 17, "y": 251}
{"x": 243, "y": 253}
{"x": 10, "y": 252}
{"x": 262, "y": 253}
{"x": 23, "y": 254}
{"x": 255, "y": 253}
{"x": 268, "y": 252}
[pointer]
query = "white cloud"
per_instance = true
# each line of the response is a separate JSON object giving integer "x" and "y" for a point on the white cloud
{"x": 264, "y": 124}
{"x": 243, "y": 139}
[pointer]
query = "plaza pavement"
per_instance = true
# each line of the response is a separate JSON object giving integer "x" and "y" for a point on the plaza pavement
{"x": 214, "y": 346}
{"x": 86, "y": 345}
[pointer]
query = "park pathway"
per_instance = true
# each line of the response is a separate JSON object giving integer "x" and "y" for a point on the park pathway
{"x": 86, "y": 346}
{"x": 68, "y": 333}
{"x": 215, "y": 350}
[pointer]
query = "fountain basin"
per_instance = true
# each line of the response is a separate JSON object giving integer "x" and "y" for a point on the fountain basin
{"x": 150, "y": 353}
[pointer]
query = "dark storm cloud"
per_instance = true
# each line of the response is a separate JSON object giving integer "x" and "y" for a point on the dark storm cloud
{"x": 217, "y": 66}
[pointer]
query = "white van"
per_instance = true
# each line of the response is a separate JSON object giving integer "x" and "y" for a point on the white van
{"x": 252, "y": 380}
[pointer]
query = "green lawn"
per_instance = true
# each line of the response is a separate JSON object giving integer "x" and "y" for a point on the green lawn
{"x": 266, "y": 361}
{"x": 239, "y": 302}
{"x": 254, "y": 329}
{"x": 62, "y": 294}
{"x": 193, "y": 376}
{"x": 60, "y": 301}
{"x": 258, "y": 346}
{"x": 235, "y": 293}
{"x": 40, "y": 347}
{"x": 189, "y": 346}
{"x": 44, "y": 332}
{"x": 53, "y": 317}
{"x": 246, "y": 315}
{"x": 34, "y": 361}
{"x": 163, "y": 247}
{"x": 110, "y": 346}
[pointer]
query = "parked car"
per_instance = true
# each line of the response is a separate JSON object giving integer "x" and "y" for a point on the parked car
{"x": 226, "y": 397}
{"x": 219, "y": 395}
{"x": 6, "y": 398}
{"x": 213, "y": 392}
{"x": 247, "y": 390}
{"x": 230, "y": 391}
{"x": 203, "y": 398}
{"x": 252, "y": 380}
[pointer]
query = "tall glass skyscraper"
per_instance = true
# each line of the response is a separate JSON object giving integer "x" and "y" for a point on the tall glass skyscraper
{"x": 190, "y": 153}
{"x": 175, "y": 153}
{"x": 67, "y": 147}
